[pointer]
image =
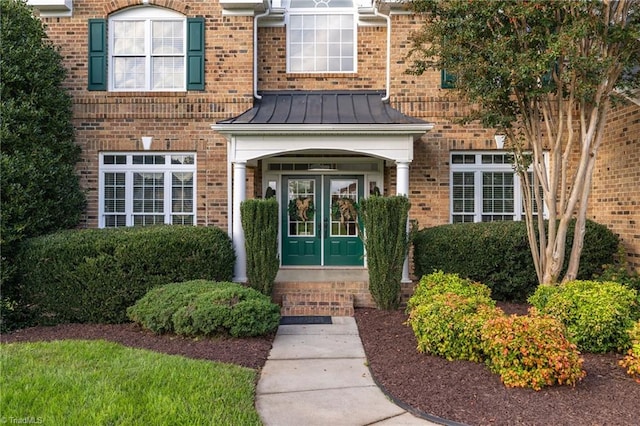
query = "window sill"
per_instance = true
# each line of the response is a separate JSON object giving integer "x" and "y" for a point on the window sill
{"x": 323, "y": 75}
{"x": 113, "y": 94}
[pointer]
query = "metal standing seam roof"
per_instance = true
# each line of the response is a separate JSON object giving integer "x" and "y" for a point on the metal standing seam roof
{"x": 322, "y": 107}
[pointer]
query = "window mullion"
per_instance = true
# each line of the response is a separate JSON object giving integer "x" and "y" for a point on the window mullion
{"x": 168, "y": 197}
{"x": 477, "y": 190}
{"x": 148, "y": 35}
{"x": 128, "y": 203}
{"x": 517, "y": 197}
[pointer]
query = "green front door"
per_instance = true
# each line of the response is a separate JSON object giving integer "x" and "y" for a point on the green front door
{"x": 301, "y": 222}
{"x": 319, "y": 220}
{"x": 342, "y": 243}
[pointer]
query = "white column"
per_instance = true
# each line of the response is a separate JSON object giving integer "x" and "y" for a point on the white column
{"x": 239, "y": 195}
{"x": 402, "y": 188}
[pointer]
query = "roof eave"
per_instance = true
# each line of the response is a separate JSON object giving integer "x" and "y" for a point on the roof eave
{"x": 415, "y": 129}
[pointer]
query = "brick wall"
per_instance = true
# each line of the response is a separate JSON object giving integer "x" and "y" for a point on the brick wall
{"x": 115, "y": 121}
{"x": 615, "y": 197}
{"x": 108, "y": 121}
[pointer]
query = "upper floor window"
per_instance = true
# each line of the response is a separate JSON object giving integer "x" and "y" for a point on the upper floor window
{"x": 321, "y": 36}
{"x": 146, "y": 49}
{"x": 485, "y": 188}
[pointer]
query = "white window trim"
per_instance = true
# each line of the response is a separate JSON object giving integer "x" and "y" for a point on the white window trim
{"x": 129, "y": 169}
{"x": 147, "y": 14}
{"x": 322, "y": 11}
{"x": 478, "y": 168}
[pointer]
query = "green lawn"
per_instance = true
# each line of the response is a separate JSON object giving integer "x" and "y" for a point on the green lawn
{"x": 75, "y": 382}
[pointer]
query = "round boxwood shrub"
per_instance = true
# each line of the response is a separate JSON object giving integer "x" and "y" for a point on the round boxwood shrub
{"x": 206, "y": 308}
{"x": 597, "y": 315}
{"x": 93, "y": 275}
{"x": 498, "y": 254}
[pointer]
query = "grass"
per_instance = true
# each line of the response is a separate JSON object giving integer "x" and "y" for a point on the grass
{"x": 75, "y": 382}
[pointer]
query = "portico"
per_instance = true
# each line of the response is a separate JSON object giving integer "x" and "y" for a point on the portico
{"x": 342, "y": 140}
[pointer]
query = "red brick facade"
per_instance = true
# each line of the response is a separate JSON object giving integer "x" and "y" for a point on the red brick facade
{"x": 115, "y": 121}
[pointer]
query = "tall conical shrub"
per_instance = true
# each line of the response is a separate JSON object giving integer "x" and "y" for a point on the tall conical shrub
{"x": 386, "y": 241}
{"x": 260, "y": 225}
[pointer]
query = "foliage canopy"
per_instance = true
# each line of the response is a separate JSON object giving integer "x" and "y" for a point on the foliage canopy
{"x": 545, "y": 73}
{"x": 40, "y": 189}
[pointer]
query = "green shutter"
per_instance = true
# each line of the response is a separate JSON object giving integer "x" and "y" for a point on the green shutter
{"x": 447, "y": 81}
{"x": 97, "y": 54}
{"x": 195, "y": 54}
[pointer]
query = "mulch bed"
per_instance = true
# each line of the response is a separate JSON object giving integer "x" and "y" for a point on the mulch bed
{"x": 459, "y": 391}
{"x": 467, "y": 392}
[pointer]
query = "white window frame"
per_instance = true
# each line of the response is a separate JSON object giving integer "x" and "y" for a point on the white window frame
{"x": 128, "y": 168}
{"x": 329, "y": 12}
{"x": 148, "y": 15}
{"x": 478, "y": 168}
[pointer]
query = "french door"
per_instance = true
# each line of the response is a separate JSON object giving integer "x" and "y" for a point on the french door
{"x": 320, "y": 223}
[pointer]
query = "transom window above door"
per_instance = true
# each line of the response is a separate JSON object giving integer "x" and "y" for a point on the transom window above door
{"x": 321, "y": 36}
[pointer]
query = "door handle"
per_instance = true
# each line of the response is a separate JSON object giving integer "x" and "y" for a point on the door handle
{"x": 326, "y": 227}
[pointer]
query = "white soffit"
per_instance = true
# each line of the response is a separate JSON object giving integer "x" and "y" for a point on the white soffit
{"x": 52, "y": 8}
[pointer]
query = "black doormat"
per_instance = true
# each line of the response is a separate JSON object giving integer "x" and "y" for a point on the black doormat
{"x": 295, "y": 320}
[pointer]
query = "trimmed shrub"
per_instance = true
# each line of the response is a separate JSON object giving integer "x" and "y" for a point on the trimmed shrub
{"x": 260, "y": 225}
{"x": 155, "y": 309}
{"x": 632, "y": 360}
{"x": 440, "y": 283}
{"x": 449, "y": 326}
{"x": 620, "y": 272}
{"x": 206, "y": 308}
{"x": 498, "y": 254}
{"x": 530, "y": 351}
{"x": 385, "y": 224}
{"x": 94, "y": 275}
{"x": 447, "y": 313}
{"x": 597, "y": 315}
{"x": 455, "y": 318}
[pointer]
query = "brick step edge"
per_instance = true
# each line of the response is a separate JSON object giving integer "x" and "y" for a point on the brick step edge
{"x": 317, "y": 304}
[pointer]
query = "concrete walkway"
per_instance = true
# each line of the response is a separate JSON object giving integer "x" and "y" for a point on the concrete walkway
{"x": 317, "y": 375}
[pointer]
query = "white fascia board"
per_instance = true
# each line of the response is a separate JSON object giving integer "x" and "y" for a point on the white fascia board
{"x": 246, "y": 148}
{"x": 242, "y": 7}
{"x": 326, "y": 129}
{"x": 51, "y": 8}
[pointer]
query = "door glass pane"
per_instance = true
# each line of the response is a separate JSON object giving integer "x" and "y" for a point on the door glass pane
{"x": 344, "y": 218}
{"x": 301, "y": 207}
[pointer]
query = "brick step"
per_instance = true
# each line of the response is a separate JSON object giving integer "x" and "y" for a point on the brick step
{"x": 317, "y": 304}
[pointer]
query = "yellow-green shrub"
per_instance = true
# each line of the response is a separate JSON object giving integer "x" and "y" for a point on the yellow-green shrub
{"x": 449, "y": 325}
{"x": 446, "y": 314}
{"x": 597, "y": 315}
{"x": 439, "y": 283}
{"x": 530, "y": 351}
